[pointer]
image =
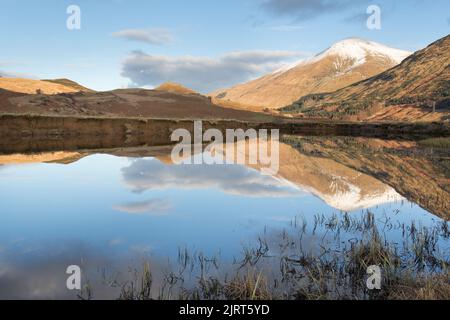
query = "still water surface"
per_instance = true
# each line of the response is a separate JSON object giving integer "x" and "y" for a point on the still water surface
{"x": 110, "y": 210}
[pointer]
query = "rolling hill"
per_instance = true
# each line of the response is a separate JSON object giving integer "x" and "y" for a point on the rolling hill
{"x": 125, "y": 103}
{"x": 175, "y": 88}
{"x": 30, "y": 86}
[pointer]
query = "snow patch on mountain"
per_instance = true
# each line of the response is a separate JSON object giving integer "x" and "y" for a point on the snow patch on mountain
{"x": 354, "y": 49}
{"x": 353, "y": 200}
{"x": 348, "y": 197}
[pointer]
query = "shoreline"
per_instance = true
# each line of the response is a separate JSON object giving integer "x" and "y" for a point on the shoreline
{"x": 43, "y": 126}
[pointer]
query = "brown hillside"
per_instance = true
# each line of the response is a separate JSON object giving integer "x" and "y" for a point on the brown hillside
{"x": 175, "y": 88}
{"x": 30, "y": 86}
{"x": 137, "y": 103}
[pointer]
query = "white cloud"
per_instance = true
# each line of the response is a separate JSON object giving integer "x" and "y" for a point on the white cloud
{"x": 13, "y": 64}
{"x": 155, "y": 207}
{"x": 156, "y": 36}
{"x": 285, "y": 28}
{"x": 306, "y": 9}
{"x": 151, "y": 174}
{"x": 5, "y": 74}
{"x": 203, "y": 74}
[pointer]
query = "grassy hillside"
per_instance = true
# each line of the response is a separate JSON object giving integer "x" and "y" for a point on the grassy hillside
{"x": 175, "y": 88}
{"x": 70, "y": 84}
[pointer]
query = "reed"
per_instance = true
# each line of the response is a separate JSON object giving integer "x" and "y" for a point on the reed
{"x": 333, "y": 268}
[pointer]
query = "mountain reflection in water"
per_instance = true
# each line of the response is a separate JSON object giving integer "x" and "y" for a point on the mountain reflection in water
{"x": 107, "y": 207}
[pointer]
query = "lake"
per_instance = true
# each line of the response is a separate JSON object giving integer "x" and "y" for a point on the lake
{"x": 107, "y": 210}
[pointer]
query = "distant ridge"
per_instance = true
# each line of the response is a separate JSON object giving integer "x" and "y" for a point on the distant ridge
{"x": 175, "y": 88}
{"x": 30, "y": 86}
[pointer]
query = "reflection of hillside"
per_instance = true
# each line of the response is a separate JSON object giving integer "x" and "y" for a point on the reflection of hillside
{"x": 339, "y": 186}
{"x": 67, "y": 157}
{"x": 347, "y": 173}
{"x": 57, "y": 157}
{"x": 419, "y": 176}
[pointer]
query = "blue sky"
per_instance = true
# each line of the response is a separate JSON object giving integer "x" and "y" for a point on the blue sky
{"x": 202, "y": 44}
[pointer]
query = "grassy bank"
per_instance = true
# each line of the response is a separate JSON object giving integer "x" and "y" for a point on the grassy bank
{"x": 95, "y": 132}
{"x": 443, "y": 143}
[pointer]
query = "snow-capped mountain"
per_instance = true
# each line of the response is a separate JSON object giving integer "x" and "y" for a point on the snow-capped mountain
{"x": 355, "y": 198}
{"x": 344, "y": 63}
{"x": 410, "y": 91}
{"x": 340, "y": 187}
{"x": 356, "y": 50}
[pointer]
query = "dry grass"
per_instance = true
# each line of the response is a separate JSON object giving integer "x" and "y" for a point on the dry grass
{"x": 425, "y": 288}
{"x": 443, "y": 142}
{"x": 414, "y": 269}
{"x": 29, "y": 86}
{"x": 175, "y": 88}
{"x": 251, "y": 286}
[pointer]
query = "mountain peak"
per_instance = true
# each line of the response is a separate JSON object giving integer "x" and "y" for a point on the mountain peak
{"x": 359, "y": 49}
{"x": 356, "y": 49}
{"x": 346, "y": 62}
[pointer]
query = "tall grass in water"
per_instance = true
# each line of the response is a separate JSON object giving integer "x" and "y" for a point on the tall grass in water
{"x": 325, "y": 259}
